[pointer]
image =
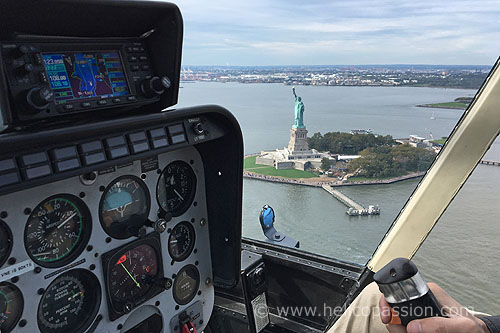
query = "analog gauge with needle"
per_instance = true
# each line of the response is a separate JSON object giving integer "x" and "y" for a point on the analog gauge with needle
{"x": 57, "y": 230}
{"x": 6, "y": 242}
{"x": 176, "y": 188}
{"x": 70, "y": 303}
{"x": 124, "y": 207}
{"x": 181, "y": 241}
{"x": 132, "y": 274}
{"x": 11, "y": 306}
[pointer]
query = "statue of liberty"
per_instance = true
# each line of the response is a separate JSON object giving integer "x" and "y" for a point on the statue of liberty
{"x": 299, "y": 111}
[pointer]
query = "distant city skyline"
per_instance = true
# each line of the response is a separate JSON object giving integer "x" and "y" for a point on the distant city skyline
{"x": 354, "y": 32}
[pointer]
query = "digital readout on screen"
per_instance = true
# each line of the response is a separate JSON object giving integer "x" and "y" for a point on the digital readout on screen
{"x": 75, "y": 76}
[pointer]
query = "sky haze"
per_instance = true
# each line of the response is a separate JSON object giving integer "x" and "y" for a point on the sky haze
{"x": 319, "y": 32}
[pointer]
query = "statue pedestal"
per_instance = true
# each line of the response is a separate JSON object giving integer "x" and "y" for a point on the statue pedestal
{"x": 298, "y": 142}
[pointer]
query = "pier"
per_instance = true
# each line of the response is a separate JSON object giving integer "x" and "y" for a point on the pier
{"x": 354, "y": 207}
{"x": 486, "y": 162}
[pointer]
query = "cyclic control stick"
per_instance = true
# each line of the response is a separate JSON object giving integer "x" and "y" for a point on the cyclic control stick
{"x": 406, "y": 292}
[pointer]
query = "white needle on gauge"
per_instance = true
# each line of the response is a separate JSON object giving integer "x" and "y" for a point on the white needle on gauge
{"x": 73, "y": 297}
{"x": 180, "y": 196}
{"x": 42, "y": 254}
{"x": 67, "y": 220}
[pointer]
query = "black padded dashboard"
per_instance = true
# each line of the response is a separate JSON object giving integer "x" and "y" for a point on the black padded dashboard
{"x": 121, "y": 223}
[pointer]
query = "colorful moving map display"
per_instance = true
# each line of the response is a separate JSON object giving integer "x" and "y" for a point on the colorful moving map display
{"x": 75, "y": 76}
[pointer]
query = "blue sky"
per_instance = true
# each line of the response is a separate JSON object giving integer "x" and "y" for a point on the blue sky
{"x": 315, "y": 32}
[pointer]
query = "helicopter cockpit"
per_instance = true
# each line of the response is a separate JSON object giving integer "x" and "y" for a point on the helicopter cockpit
{"x": 119, "y": 213}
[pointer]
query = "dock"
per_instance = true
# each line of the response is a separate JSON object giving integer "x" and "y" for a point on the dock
{"x": 354, "y": 207}
{"x": 343, "y": 198}
{"x": 495, "y": 163}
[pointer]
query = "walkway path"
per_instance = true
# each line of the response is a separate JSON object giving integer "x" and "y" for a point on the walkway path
{"x": 319, "y": 181}
{"x": 343, "y": 198}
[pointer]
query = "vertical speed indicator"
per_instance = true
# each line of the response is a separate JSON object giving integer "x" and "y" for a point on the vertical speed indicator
{"x": 176, "y": 188}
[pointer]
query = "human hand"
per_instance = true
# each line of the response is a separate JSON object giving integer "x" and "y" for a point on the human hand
{"x": 457, "y": 320}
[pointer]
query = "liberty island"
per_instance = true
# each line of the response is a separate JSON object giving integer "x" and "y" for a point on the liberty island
{"x": 298, "y": 163}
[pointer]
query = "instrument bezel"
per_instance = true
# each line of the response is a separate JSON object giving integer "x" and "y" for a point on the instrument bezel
{"x": 92, "y": 285}
{"x": 116, "y": 308}
{"x": 81, "y": 243}
{"x": 5, "y": 227}
{"x": 144, "y": 188}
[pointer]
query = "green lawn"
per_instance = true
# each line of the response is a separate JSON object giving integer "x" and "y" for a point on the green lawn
{"x": 289, "y": 173}
{"x": 250, "y": 165}
{"x": 449, "y": 105}
{"x": 439, "y": 141}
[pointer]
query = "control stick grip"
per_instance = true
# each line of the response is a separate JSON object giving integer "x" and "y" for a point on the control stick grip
{"x": 406, "y": 292}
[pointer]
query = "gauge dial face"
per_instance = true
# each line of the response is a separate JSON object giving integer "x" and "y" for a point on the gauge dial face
{"x": 5, "y": 242}
{"x": 181, "y": 241}
{"x": 11, "y": 306}
{"x": 124, "y": 207}
{"x": 176, "y": 188}
{"x": 57, "y": 230}
{"x": 186, "y": 284}
{"x": 70, "y": 303}
{"x": 132, "y": 274}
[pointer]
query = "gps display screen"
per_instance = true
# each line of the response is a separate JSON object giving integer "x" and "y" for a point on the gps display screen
{"x": 76, "y": 75}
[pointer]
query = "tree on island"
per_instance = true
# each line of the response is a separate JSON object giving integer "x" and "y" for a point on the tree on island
{"x": 346, "y": 143}
{"x": 381, "y": 156}
{"x": 382, "y": 162}
{"x": 326, "y": 164}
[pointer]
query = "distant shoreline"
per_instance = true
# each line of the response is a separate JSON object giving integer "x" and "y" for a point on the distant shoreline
{"x": 344, "y": 85}
{"x": 437, "y": 106}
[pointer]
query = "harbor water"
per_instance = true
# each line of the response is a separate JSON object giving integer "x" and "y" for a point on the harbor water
{"x": 461, "y": 252}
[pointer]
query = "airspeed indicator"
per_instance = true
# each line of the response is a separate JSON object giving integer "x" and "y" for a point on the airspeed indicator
{"x": 57, "y": 230}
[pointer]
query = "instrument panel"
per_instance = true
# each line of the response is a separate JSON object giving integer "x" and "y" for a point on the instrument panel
{"x": 109, "y": 252}
{"x": 104, "y": 212}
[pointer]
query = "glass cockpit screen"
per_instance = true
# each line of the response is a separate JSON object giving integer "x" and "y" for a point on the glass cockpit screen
{"x": 75, "y": 75}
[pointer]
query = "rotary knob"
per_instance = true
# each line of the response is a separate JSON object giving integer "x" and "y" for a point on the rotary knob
{"x": 22, "y": 50}
{"x": 198, "y": 128}
{"x": 25, "y": 69}
{"x": 39, "y": 98}
{"x": 155, "y": 86}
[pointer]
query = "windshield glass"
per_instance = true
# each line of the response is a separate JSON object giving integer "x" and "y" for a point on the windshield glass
{"x": 463, "y": 247}
{"x": 343, "y": 107}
